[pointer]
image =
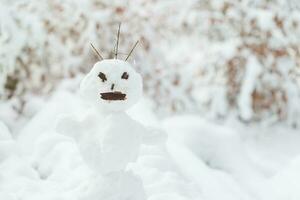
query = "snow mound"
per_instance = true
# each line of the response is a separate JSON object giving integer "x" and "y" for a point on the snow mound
{"x": 200, "y": 161}
{"x": 7, "y": 144}
{"x": 4, "y": 132}
{"x": 285, "y": 184}
{"x": 51, "y": 166}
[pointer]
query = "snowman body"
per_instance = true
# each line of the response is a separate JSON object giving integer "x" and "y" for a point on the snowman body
{"x": 108, "y": 143}
{"x": 120, "y": 143}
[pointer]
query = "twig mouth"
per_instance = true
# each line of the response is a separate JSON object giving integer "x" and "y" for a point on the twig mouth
{"x": 113, "y": 96}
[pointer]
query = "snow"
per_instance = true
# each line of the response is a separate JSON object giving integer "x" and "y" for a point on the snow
{"x": 254, "y": 69}
{"x": 53, "y": 165}
{"x": 200, "y": 160}
{"x": 105, "y": 146}
{"x": 262, "y": 165}
{"x": 7, "y": 144}
{"x": 288, "y": 177}
{"x": 218, "y": 117}
{"x": 4, "y": 132}
{"x": 122, "y": 185}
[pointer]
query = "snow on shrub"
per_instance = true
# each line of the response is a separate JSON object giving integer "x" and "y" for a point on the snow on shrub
{"x": 49, "y": 40}
{"x": 213, "y": 57}
{"x": 256, "y": 51}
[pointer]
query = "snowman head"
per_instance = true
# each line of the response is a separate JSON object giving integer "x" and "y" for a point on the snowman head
{"x": 112, "y": 85}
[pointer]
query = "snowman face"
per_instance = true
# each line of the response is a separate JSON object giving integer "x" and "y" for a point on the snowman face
{"x": 112, "y": 85}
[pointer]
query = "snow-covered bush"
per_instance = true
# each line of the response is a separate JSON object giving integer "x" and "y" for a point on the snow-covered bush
{"x": 45, "y": 41}
{"x": 213, "y": 57}
{"x": 255, "y": 56}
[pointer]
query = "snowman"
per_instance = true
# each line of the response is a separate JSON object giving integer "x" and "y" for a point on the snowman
{"x": 109, "y": 139}
{"x": 112, "y": 86}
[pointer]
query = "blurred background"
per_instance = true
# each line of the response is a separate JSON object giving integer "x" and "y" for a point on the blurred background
{"x": 220, "y": 59}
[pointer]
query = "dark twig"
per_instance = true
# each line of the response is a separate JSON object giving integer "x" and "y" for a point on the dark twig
{"x": 131, "y": 50}
{"x": 119, "y": 53}
{"x": 117, "y": 46}
{"x": 97, "y": 52}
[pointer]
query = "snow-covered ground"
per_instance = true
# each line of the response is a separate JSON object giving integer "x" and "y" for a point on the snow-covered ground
{"x": 201, "y": 160}
{"x": 231, "y": 68}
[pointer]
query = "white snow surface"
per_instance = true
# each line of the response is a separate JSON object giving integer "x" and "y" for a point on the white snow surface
{"x": 200, "y": 160}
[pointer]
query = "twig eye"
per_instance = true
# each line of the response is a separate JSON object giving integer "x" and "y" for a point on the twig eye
{"x": 125, "y": 75}
{"x": 102, "y": 76}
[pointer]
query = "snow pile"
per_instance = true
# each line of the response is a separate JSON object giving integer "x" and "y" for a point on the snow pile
{"x": 53, "y": 166}
{"x": 288, "y": 177}
{"x": 201, "y": 161}
{"x": 7, "y": 144}
{"x": 263, "y": 165}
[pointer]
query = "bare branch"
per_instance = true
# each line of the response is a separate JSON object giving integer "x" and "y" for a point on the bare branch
{"x": 118, "y": 38}
{"x": 97, "y": 52}
{"x": 131, "y": 50}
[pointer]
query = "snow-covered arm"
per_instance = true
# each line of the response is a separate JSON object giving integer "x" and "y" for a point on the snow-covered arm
{"x": 82, "y": 129}
{"x": 152, "y": 136}
{"x": 69, "y": 126}
{"x": 78, "y": 126}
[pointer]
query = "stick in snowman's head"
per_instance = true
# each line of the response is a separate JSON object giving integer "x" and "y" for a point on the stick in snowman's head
{"x": 112, "y": 84}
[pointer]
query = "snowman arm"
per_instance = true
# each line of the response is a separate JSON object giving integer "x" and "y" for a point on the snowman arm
{"x": 153, "y": 136}
{"x": 69, "y": 126}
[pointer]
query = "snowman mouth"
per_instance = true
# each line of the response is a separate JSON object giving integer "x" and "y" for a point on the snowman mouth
{"x": 113, "y": 96}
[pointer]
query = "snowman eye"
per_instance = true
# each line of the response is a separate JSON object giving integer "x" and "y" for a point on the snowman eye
{"x": 125, "y": 75}
{"x": 102, "y": 76}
